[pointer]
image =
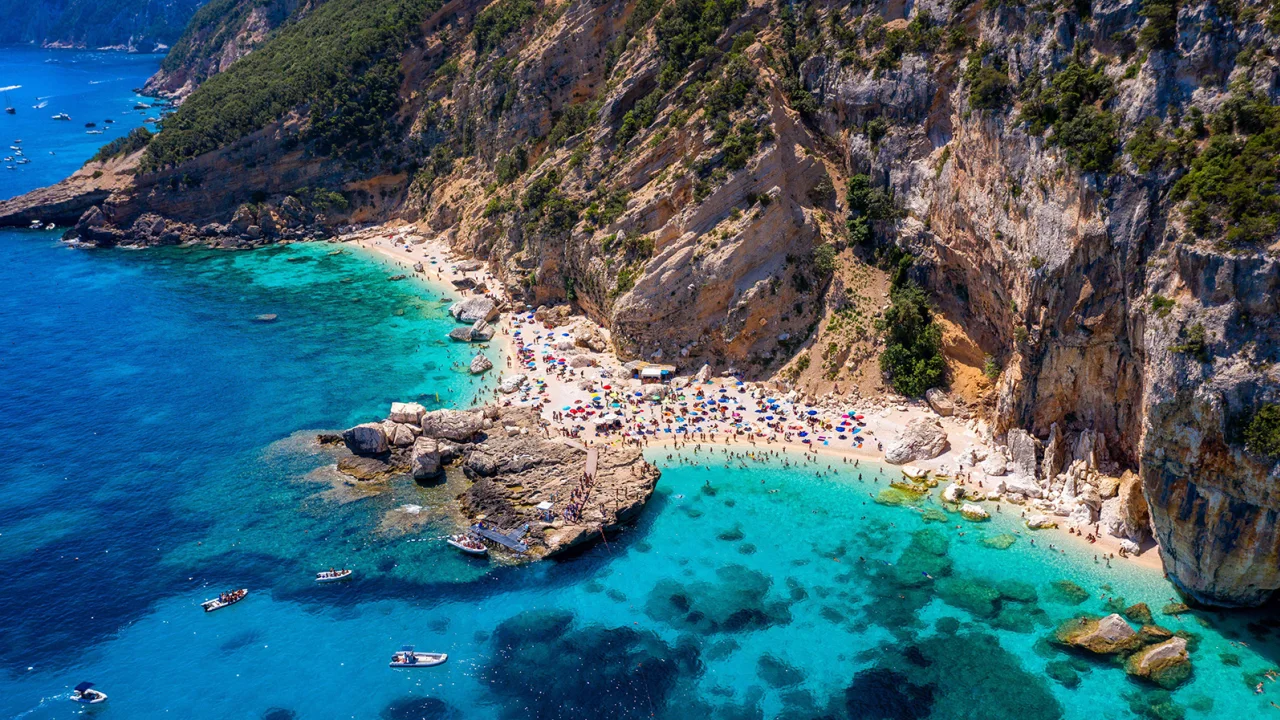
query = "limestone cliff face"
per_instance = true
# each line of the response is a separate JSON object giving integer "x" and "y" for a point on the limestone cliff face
{"x": 676, "y": 169}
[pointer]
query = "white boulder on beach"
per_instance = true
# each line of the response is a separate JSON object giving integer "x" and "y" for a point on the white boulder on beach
{"x": 922, "y": 438}
{"x": 474, "y": 309}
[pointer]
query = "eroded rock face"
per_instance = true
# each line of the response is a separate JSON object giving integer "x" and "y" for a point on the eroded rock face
{"x": 1126, "y": 515}
{"x": 366, "y": 439}
{"x": 1215, "y": 508}
{"x": 921, "y": 439}
{"x": 424, "y": 459}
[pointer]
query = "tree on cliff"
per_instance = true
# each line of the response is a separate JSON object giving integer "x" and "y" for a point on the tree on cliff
{"x": 912, "y": 358}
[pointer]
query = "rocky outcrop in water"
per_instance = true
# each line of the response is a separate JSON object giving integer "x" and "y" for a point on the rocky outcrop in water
{"x": 513, "y": 465}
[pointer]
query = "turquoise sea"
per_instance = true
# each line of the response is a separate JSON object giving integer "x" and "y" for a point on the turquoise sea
{"x": 157, "y": 448}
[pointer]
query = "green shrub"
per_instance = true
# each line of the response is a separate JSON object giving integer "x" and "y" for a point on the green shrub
{"x": 912, "y": 358}
{"x": 991, "y": 368}
{"x": 137, "y": 139}
{"x": 824, "y": 259}
{"x": 1262, "y": 434}
{"x": 1161, "y": 305}
{"x": 1195, "y": 343}
{"x": 320, "y": 61}
{"x": 510, "y": 165}
{"x": 687, "y": 31}
{"x": 1230, "y": 188}
{"x": 1161, "y": 29}
{"x": 989, "y": 85}
{"x": 499, "y": 20}
{"x": 1070, "y": 103}
{"x": 1149, "y": 149}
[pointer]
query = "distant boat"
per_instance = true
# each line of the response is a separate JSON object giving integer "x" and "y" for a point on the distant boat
{"x": 108, "y": 120}
{"x": 40, "y": 105}
{"x": 141, "y": 106}
{"x": 329, "y": 576}
{"x": 231, "y": 597}
{"x": 91, "y": 124}
{"x": 84, "y": 693}
{"x": 92, "y": 132}
{"x": 62, "y": 116}
{"x": 407, "y": 658}
{"x": 8, "y": 106}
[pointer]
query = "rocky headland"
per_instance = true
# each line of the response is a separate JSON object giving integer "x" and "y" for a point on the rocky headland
{"x": 512, "y": 465}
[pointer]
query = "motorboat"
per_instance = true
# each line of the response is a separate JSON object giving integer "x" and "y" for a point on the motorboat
{"x": 408, "y": 658}
{"x": 91, "y": 124}
{"x": 92, "y": 132}
{"x": 62, "y": 116}
{"x": 141, "y": 106}
{"x": 230, "y": 597}
{"x": 84, "y": 693}
{"x": 329, "y": 576}
{"x": 468, "y": 544}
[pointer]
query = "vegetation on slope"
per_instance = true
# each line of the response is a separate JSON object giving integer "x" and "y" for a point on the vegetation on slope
{"x": 912, "y": 357}
{"x": 134, "y": 141}
{"x": 93, "y": 23}
{"x": 1262, "y": 434}
{"x": 1071, "y": 104}
{"x": 342, "y": 60}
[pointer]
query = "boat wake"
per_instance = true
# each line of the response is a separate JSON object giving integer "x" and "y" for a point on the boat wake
{"x": 46, "y": 701}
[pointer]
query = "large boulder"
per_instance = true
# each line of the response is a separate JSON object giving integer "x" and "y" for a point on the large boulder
{"x": 480, "y": 364}
{"x": 1126, "y": 515}
{"x": 482, "y": 331}
{"x": 400, "y": 434}
{"x": 1022, "y": 485}
{"x": 940, "y": 403}
{"x": 459, "y": 425}
{"x": 424, "y": 458}
{"x": 974, "y": 513}
{"x": 921, "y": 439}
{"x": 1023, "y": 449}
{"x": 587, "y": 336}
{"x": 953, "y": 493}
{"x": 1105, "y": 636}
{"x": 474, "y": 309}
{"x": 1166, "y": 664}
{"x": 461, "y": 334}
{"x": 1040, "y": 522}
{"x": 512, "y": 384}
{"x": 406, "y": 413}
{"x": 366, "y": 439}
{"x": 994, "y": 466}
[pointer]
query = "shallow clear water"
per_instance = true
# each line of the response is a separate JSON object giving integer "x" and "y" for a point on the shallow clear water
{"x": 157, "y": 449}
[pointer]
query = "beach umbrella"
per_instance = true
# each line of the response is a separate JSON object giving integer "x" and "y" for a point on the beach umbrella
{"x": 804, "y": 434}
{"x": 812, "y": 413}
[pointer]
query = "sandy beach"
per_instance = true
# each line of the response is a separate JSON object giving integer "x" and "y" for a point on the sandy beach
{"x": 540, "y": 359}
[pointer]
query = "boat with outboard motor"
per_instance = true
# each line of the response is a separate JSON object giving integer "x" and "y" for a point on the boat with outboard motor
{"x": 408, "y": 658}
{"x": 230, "y": 597}
{"x": 84, "y": 693}
{"x": 469, "y": 544}
{"x": 331, "y": 575}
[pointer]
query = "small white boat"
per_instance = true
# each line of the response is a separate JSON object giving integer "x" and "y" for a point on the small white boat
{"x": 62, "y": 116}
{"x": 84, "y": 693}
{"x": 408, "y": 658}
{"x": 329, "y": 576}
{"x": 231, "y": 597}
{"x": 468, "y": 544}
{"x": 92, "y": 132}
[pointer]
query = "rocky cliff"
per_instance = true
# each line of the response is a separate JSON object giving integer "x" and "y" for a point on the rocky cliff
{"x": 1088, "y": 192}
{"x": 133, "y": 25}
{"x": 220, "y": 33}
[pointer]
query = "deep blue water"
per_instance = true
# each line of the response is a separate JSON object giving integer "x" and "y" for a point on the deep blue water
{"x": 89, "y": 86}
{"x": 158, "y": 448}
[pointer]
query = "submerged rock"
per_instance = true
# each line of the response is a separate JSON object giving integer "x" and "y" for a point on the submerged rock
{"x": 1105, "y": 636}
{"x": 365, "y": 469}
{"x": 1166, "y": 664}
